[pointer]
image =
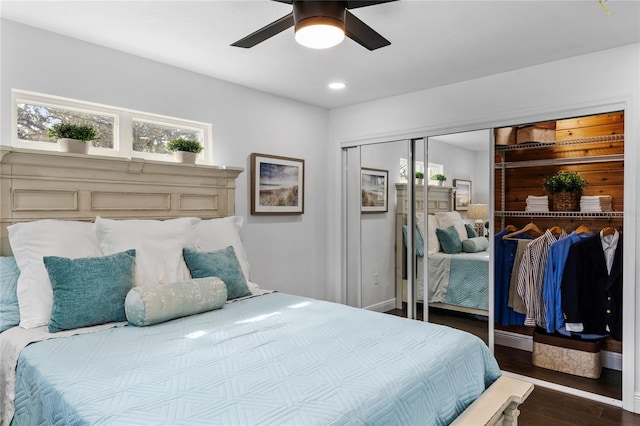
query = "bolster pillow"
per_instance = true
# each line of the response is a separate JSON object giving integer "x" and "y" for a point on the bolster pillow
{"x": 158, "y": 303}
{"x": 474, "y": 245}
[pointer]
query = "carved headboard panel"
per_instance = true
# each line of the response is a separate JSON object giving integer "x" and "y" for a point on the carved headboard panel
{"x": 440, "y": 199}
{"x": 50, "y": 185}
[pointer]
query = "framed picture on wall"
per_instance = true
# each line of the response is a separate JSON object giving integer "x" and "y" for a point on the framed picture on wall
{"x": 277, "y": 185}
{"x": 463, "y": 193}
{"x": 375, "y": 190}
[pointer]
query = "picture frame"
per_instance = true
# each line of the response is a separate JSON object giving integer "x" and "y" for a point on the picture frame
{"x": 463, "y": 194}
{"x": 277, "y": 185}
{"x": 374, "y": 185}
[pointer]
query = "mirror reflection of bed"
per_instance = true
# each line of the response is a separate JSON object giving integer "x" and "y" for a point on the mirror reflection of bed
{"x": 451, "y": 235}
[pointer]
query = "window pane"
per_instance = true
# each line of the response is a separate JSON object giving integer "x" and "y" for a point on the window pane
{"x": 34, "y": 120}
{"x": 152, "y": 137}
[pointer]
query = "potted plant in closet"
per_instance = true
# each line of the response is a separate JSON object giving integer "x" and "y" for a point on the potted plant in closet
{"x": 565, "y": 188}
{"x": 440, "y": 178}
{"x": 419, "y": 178}
{"x": 73, "y": 137}
{"x": 185, "y": 150}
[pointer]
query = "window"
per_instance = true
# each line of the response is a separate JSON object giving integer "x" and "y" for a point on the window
{"x": 432, "y": 169}
{"x": 121, "y": 132}
{"x": 34, "y": 119}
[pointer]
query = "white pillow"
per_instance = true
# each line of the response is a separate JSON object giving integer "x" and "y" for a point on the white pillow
{"x": 30, "y": 242}
{"x": 158, "y": 246}
{"x": 449, "y": 219}
{"x": 433, "y": 244}
{"x": 218, "y": 234}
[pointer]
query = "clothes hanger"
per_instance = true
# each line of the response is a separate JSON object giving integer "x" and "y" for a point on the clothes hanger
{"x": 510, "y": 228}
{"x": 556, "y": 230}
{"x": 609, "y": 230}
{"x": 582, "y": 229}
{"x": 530, "y": 228}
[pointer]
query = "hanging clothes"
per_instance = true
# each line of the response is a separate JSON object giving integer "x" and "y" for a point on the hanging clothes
{"x": 505, "y": 252}
{"x": 591, "y": 289}
{"x": 515, "y": 300}
{"x": 531, "y": 277}
{"x": 556, "y": 260}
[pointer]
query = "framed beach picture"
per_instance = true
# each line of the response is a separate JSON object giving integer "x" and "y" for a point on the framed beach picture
{"x": 277, "y": 184}
{"x": 375, "y": 190}
{"x": 463, "y": 193}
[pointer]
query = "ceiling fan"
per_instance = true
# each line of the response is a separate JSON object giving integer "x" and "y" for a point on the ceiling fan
{"x": 321, "y": 24}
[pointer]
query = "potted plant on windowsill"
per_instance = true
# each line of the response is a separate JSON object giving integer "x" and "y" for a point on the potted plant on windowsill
{"x": 185, "y": 150}
{"x": 73, "y": 137}
{"x": 419, "y": 178}
{"x": 565, "y": 189}
{"x": 440, "y": 178}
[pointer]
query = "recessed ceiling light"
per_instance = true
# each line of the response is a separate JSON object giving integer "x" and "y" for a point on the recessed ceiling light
{"x": 336, "y": 85}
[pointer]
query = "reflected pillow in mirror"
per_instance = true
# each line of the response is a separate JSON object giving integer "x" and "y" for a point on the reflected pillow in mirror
{"x": 474, "y": 245}
{"x": 449, "y": 240}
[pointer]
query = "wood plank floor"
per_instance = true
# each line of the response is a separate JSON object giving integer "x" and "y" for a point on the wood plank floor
{"x": 545, "y": 406}
{"x": 551, "y": 408}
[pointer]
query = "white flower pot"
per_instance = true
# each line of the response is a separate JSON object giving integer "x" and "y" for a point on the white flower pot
{"x": 185, "y": 157}
{"x": 73, "y": 145}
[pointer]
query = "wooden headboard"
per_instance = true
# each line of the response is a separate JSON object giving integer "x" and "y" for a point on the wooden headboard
{"x": 440, "y": 199}
{"x": 51, "y": 185}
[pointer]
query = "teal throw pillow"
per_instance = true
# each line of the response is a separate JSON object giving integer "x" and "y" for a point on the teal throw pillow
{"x": 154, "y": 304}
{"x": 89, "y": 291}
{"x": 9, "y": 311}
{"x": 449, "y": 240}
{"x": 223, "y": 264}
{"x": 474, "y": 245}
{"x": 471, "y": 233}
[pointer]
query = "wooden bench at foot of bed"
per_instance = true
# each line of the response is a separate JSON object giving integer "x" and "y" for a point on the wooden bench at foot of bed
{"x": 498, "y": 405}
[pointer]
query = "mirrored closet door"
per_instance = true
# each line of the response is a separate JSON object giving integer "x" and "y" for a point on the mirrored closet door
{"x": 370, "y": 175}
{"x": 457, "y": 249}
{"x": 393, "y": 200}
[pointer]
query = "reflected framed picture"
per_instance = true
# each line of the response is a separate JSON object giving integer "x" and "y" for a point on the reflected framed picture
{"x": 375, "y": 190}
{"x": 277, "y": 185}
{"x": 463, "y": 193}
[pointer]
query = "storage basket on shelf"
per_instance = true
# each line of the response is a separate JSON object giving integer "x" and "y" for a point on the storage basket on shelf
{"x": 565, "y": 188}
{"x": 565, "y": 202}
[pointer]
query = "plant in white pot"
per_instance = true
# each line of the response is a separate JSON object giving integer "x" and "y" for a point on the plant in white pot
{"x": 185, "y": 150}
{"x": 73, "y": 137}
{"x": 440, "y": 178}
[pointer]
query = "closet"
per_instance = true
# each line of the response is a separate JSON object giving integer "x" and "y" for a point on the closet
{"x": 526, "y": 155}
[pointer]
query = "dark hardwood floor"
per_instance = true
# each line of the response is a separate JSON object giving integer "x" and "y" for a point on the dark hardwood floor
{"x": 545, "y": 406}
{"x": 516, "y": 361}
{"x": 552, "y": 408}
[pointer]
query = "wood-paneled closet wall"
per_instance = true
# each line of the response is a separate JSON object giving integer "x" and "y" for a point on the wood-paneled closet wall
{"x": 582, "y": 146}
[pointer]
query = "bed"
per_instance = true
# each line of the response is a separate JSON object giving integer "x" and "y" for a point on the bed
{"x": 457, "y": 282}
{"x": 260, "y": 358}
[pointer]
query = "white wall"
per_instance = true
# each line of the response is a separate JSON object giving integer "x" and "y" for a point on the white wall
{"x": 574, "y": 86}
{"x": 287, "y": 253}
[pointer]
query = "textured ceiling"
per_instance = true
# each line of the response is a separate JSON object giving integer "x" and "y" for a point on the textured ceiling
{"x": 434, "y": 43}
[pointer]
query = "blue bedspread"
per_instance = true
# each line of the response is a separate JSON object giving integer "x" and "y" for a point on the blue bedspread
{"x": 469, "y": 281}
{"x": 273, "y": 359}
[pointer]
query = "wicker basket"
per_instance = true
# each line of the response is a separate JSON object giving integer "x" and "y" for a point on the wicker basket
{"x": 565, "y": 202}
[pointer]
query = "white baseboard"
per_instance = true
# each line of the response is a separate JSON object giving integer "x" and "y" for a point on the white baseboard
{"x": 385, "y": 306}
{"x": 611, "y": 360}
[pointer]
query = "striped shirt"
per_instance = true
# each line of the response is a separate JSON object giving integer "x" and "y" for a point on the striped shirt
{"x": 531, "y": 277}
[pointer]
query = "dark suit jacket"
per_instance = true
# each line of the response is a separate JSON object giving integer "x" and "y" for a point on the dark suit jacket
{"x": 590, "y": 295}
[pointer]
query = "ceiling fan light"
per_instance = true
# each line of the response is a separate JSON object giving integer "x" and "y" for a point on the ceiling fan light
{"x": 320, "y": 35}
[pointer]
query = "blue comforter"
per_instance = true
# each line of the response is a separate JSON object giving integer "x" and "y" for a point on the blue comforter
{"x": 273, "y": 359}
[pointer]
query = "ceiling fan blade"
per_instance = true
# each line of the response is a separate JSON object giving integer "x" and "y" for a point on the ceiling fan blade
{"x": 266, "y": 32}
{"x": 354, "y": 4}
{"x": 363, "y": 34}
